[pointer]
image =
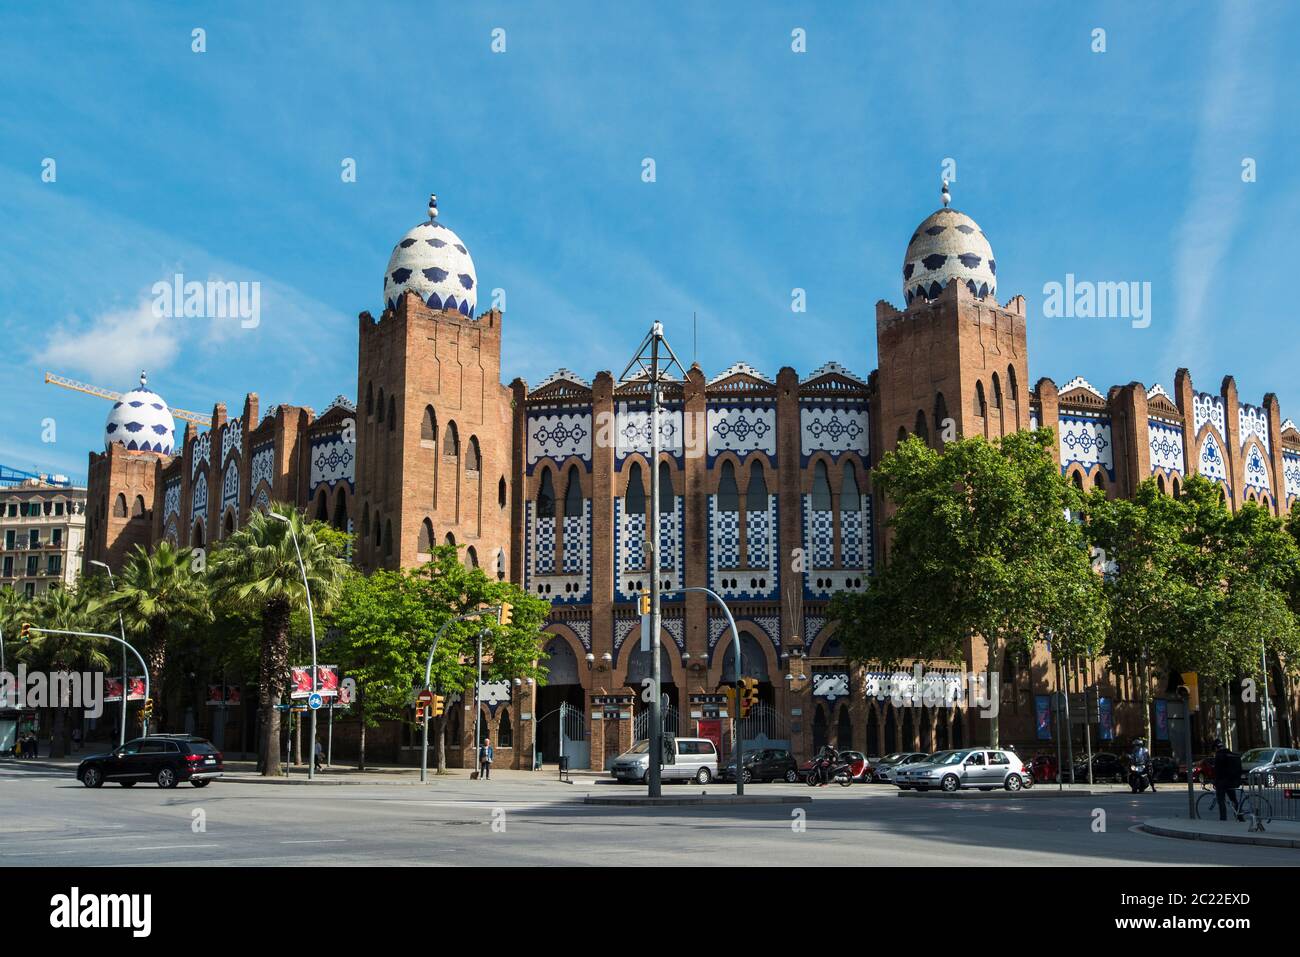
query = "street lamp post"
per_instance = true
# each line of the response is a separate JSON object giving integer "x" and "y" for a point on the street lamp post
{"x": 428, "y": 678}
{"x": 95, "y": 634}
{"x": 648, "y": 360}
{"x": 736, "y": 743}
{"x": 311, "y": 619}
{"x": 125, "y": 678}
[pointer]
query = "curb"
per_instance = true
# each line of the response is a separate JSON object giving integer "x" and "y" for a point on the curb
{"x": 705, "y": 800}
{"x": 1032, "y": 794}
{"x": 1261, "y": 840}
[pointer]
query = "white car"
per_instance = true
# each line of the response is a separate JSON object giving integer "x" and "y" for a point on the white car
{"x": 983, "y": 768}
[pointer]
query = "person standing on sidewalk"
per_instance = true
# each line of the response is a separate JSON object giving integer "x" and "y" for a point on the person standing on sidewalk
{"x": 320, "y": 755}
{"x": 485, "y": 760}
{"x": 1227, "y": 779}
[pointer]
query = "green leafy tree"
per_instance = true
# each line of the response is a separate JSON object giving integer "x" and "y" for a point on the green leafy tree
{"x": 158, "y": 595}
{"x": 256, "y": 571}
{"x": 982, "y": 549}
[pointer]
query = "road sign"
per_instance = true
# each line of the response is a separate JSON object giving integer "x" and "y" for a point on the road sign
{"x": 314, "y": 700}
{"x": 425, "y": 697}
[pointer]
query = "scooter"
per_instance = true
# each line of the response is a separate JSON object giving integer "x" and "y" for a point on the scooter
{"x": 825, "y": 771}
{"x": 1139, "y": 778}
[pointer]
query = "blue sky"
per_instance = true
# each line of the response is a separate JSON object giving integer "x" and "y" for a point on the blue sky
{"x": 774, "y": 170}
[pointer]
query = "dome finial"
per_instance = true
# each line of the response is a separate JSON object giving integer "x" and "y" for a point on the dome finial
{"x": 433, "y": 206}
{"x": 947, "y": 196}
{"x": 143, "y": 379}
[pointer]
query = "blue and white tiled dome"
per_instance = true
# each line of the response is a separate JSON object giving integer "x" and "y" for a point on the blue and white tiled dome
{"x": 141, "y": 421}
{"x": 948, "y": 245}
{"x": 432, "y": 262}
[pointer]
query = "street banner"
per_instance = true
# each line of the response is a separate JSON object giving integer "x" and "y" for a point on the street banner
{"x": 112, "y": 690}
{"x": 215, "y": 697}
{"x": 347, "y": 692}
{"x": 327, "y": 680}
{"x": 1162, "y": 719}
{"x": 234, "y": 697}
{"x": 301, "y": 677}
{"x": 711, "y": 728}
{"x": 1105, "y": 719}
{"x": 1043, "y": 716}
{"x": 231, "y": 699}
{"x": 135, "y": 690}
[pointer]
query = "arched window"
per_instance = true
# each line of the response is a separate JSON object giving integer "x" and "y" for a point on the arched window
{"x": 902, "y": 435}
{"x": 370, "y": 398}
{"x": 1160, "y": 483}
{"x": 137, "y": 508}
{"x": 381, "y": 403}
{"x": 844, "y": 729}
{"x": 472, "y": 458}
{"x": 505, "y": 733}
{"x": 1012, "y": 390}
{"x": 429, "y": 425}
{"x": 119, "y": 506}
{"x": 322, "y": 508}
{"x": 501, "y": 564}
{"x": 981, "y": 406}
{"x": 426, "y": 537}
{"x": 388, "y": 538}
{"x": 197, "y": 538}
{"x": 997, "y": 391}
{"x": 728, "y": 492}
{"x": 392, "y": 413}
{"x": 922, "y": 427}
{"x": 1077, "y": 479}
{"x": 471, "y": 557}
{"x": 450, "y": 539}
{"x": 501, "y": 492}
{"x": 821, "y": 490}
{"x": 665, "y": 488}
{"x": 230, "y": 525}
{"x": 756, "y": 493}
{"x": 850, "y": 498}
{"x": 365, "y": 522}
{"x": 634, "y": 500}
{"x": 340, "y": 510}
{"x": 1177, "y": 488}
{"x": 546, "y": 496}
{"x": 451, "y": 441}
{"x": 940, "y": 414}
{"x": 819, "y": 729}
{"x": 573, "y": 494}
{"x": 1099, "y": 481}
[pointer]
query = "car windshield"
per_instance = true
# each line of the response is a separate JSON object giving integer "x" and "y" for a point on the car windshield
{"x": 1258, "y": 754}
{"x": 641, "y": 747}
{"x": 892, "y": 758}
{"x": 948, "y": 757}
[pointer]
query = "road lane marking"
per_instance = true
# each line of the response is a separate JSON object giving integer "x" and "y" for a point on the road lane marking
{"x": 173, "y": 847}
{"x": 337, "y": 840}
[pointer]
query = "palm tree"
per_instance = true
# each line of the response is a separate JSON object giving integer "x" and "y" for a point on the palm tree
{"x": 65, "y": 610}
{"x": 154, "y": 593}
{"x": 14, "y": 610}
{"x": 256, "y": 569}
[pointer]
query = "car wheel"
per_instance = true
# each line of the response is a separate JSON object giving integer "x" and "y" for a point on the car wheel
{"x": 792, "y": 776}
{"x": 167, "y": 778}
{"x": 1013, "y": 782}
{"x": 92, "y": 777}
{"x": 702, "y": 776}
{"x": 950, "y": 783}
{"x": 201, "y": 784}
{"x": 746, "y": 775}
{"x": 127, "y": 784}
{"x": 645, "y": 777}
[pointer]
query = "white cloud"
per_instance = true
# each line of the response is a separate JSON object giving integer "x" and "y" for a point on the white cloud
{"x": 112, "y": 348}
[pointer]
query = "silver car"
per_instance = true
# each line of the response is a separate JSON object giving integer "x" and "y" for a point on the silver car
{"x": 1262, "y": 762}
{"x": 685, "y": 759}
{"x": 983, "y": 768}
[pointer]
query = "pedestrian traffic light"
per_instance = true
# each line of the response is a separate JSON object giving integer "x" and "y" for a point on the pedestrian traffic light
{"x": 645, "y": 603}
{"x": 439, "y": 703}
{"x": 506, "y": 614}
{"x": 25, "y": 632}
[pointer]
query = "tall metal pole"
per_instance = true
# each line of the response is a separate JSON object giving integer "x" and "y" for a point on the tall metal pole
{"x": 428, "y": 679}
{"x": 121, "y": 627}
{"x": 1268, "y": 724}
{"x": 478, "y": 708}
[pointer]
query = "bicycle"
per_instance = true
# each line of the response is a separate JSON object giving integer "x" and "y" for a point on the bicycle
{"x": 1250, "y": 806}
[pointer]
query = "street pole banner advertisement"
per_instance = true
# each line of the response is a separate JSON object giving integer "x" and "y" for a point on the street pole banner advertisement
{"x": 301, "y": 681}
{"x": 112, "y": 690}
{"x": 1105, "y": 719}
{"x": 711, "y": 728}
{"x": 327, "y": 680}
{"x": 135, "y": 691}
{"x": 1043, "y": 716}
{"x": 216, "y": 699}
{"x": 1162, "y": 719}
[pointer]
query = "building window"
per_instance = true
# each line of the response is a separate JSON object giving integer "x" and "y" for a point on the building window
{"x": 472, "y": 456}
{"x": 665, "y": 488}
{"x": 997, "y": 391}
{"x": 9, "y": 539}
{"x": 1012, "y": 391}
{"x": 429, "y": 426}
{"x": 9, "y": 566}
{"x": 728, "y": 492}
{"x": 54, "y": 565}
{"x": 137, "y": 510}
{"x": 981, "y": 406}
{"x": 546, "y": 496}
{"x": 34, "y": 538}
{"x": 32, "y": 562}
{"x": 922, "y": 427}
{"x": 451, "y": 441}
{"x": 501, "y": 492}
{"x": 756, "y": 492}
{"x": 56, "y": 537}
{"x": 821, "y": 490}
{"x": 634, "y": 500}
{"x": 58, "y": 508}
{"x": 119, "y": 506}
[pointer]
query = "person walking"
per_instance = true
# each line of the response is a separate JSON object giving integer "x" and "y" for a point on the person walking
{"x": 320, "y": 755}
{"x": 1227, "y": 779}
{"x": 485, "y": 760}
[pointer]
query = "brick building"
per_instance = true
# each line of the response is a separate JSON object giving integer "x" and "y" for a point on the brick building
{"x": 766, "y": 497}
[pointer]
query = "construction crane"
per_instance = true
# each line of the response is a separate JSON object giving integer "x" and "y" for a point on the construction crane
{"x": 11, "y": 477}
{"x": 75, "y": 386}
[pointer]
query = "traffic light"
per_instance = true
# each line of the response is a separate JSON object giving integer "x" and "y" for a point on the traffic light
{"x": 25, "y": 632}
{"x": 506, "y": 613}
{"x": 439, "y": 703}
{"x": 729, "y": 693}
{"x": 419, "y": 714}
{"x": 749, "y": 695}
{"x": 645, "y": 603}
{"x": 1192, "y": 690}
{"x": 147, "y": 708}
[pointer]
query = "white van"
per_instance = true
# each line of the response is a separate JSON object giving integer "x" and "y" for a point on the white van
{"x": 685, "y": 759}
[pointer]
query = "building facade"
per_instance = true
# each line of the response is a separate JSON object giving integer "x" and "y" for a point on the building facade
{"x": 766, "y": 497}
{"x": 42, "y": 533}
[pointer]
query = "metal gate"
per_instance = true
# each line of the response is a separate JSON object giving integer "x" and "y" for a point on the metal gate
{"x": 763, "y": 727}
{"x": 573, "y": 737}
{"x": 667, "y": 723}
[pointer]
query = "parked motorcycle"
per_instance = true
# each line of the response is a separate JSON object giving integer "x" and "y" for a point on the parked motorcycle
{"x": 827, "y": 769}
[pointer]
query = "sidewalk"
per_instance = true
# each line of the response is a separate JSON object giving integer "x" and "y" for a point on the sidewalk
{"x": 1275, "y": 834}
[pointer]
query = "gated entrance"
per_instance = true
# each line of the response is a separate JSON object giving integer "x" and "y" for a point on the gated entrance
{"x": 668, "y": 722}
{"x": 764, "y": 727}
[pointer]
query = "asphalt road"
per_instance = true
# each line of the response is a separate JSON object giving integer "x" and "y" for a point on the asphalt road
{"x": 51, "y": 820}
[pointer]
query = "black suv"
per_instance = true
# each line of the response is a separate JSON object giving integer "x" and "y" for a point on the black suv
{"x": 165, "y": 758}
{"x": 769, "y": 764}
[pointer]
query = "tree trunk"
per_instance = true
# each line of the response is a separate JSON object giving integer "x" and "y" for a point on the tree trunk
{"x": 156, "y": 658}
{"x": 442, "y": 745}
{"x": 297, "y": 741}
{"x": 274, "y": 668}
{"x": 995, "y": 647}
{"x": 57, "y": 732}
{"x": 1146, "y": 706}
